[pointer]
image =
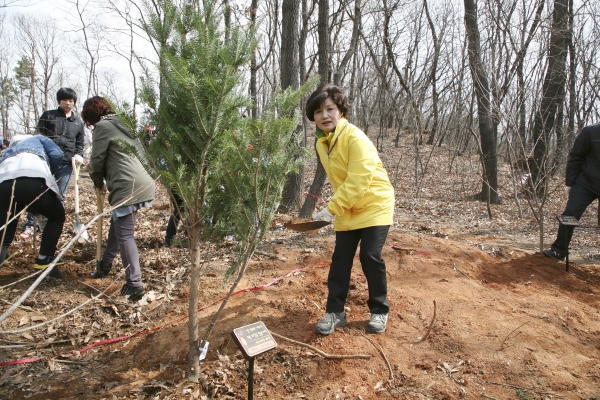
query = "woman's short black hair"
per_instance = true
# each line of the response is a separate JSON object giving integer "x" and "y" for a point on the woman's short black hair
{"x": 323, "y": 92}
{"x": 65, "y": 93}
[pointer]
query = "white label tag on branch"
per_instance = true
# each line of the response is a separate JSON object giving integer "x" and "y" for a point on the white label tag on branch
{"x": 203, "y": 351}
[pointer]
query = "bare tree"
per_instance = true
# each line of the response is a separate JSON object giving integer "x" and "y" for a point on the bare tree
{"x": 290, "y": 78}
{"x": 489, "y": 191}
{"x": 553, "y": 91}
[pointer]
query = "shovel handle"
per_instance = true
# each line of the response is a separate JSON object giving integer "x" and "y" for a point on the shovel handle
{"x": 100, "y": 202}
{"x": 76, "y": 172}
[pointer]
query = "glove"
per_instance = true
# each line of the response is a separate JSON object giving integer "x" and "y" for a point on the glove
{"x": 323, "y": 215}
{"x": 78, "y": 159}
{"x": 567, "y": 189}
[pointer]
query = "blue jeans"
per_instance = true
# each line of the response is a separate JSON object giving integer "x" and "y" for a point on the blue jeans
{"x": 63, "y": 177}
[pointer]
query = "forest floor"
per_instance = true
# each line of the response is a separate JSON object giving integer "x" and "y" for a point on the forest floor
{"x": 476, "y": 310}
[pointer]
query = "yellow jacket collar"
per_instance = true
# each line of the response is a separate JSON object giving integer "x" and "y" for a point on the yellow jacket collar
{"x": 319, "y": 133}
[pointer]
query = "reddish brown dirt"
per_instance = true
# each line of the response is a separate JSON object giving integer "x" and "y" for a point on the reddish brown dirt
{"x": 509, "y": 322}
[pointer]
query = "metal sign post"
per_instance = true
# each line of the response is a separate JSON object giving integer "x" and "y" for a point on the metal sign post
{"x": 252, "y": 340}
{"x": 567, "y": 220}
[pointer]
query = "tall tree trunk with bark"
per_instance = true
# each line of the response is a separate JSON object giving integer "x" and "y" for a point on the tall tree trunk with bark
{"x": 316, "y": 187}
{"x": 433, "y": 75}
{"x": 552, "y": 92}
{"x": 290, "y": 77}
{"x": 482, "y": 91}
{"x": 253, "y": 66}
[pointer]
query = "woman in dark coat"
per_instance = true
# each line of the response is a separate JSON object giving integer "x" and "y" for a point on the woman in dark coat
{"x": 129, "y": 187}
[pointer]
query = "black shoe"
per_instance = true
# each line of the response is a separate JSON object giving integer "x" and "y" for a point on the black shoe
{"x": 554, "y": 254}
{"x": 41, "y": 263}
{"x": 135, "y": 293}
{"x": 167, "y": 242}
{"x": 102, "y": 270}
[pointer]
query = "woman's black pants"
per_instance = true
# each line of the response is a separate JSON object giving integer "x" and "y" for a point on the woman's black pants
{"x": 371, "y": 241}
{"x": 25, "y": 192}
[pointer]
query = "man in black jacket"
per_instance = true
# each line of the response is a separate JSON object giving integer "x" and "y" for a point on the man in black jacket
{"x": 65, "y": 127}
{"x": 582, "y": 184}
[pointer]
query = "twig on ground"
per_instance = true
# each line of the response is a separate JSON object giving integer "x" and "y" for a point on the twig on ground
{"x": 525, "y": 389}
{"x": 488, "y": 397}
{"x": 69, "y": 362}
{"x": 42, "y": 344}
{"x": 262, "y": 253}
{"x": 51, "y": 266}
{"x": 56, "y": 318}
{"x": 456, "y": 269}
{"x": 380, "y": 349}
{"x": 322, "y": 353}
{"x": 430, "y": 325}
{"x": 20, "y": 280}
{"x": 513, "y": 331}
{"x": 116, "y": 302}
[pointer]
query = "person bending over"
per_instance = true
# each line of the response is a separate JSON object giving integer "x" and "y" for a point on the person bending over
{"x": 362, "y": 204}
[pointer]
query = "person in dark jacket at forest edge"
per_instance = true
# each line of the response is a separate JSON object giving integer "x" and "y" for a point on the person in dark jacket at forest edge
{"x": 126, "y": 180}
{"x": 582, "y": 184}
{"x": 26, "y": 169}
{"x": 64, "y": 126}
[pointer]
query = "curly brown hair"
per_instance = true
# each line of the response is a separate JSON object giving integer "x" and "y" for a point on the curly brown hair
{"x": 94, "y": 108}
{"x": 323, "y": 92}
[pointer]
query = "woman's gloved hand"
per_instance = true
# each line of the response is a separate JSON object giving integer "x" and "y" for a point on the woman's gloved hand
{"x": 323, "y": 215}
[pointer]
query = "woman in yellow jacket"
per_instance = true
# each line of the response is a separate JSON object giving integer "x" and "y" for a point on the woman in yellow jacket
{"x": 362, "y": 204}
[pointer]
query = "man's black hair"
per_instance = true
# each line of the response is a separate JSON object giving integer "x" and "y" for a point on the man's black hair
{"x": 66, "y": 93}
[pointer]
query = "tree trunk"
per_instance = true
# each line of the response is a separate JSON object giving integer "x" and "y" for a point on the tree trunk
{"x": 482, "y": 91}
{"x": 316, "y": 188}
{"x": 323, "y": 30}
{"x": 552, "y": 92}
{"x": 290, "y": 10}
{"x": 253, "y": 67}
{"x": 193, "y": 323}
{"x": 433, "y": 75}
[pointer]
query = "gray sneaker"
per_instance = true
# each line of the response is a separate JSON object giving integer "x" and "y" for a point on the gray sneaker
{"x": 377, "y": 323}
{"x": 329, "y": 322}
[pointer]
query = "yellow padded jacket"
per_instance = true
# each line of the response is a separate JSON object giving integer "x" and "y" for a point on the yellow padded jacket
{"x": 362, "y": 193}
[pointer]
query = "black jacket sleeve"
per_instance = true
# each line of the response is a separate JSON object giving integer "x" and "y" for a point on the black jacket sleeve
{"x": 80, "y": 138}
{"x": 579, "y": 152}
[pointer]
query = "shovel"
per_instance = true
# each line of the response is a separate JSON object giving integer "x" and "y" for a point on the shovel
{"x": 100, "y": 201}
{"x": 307, "y": 226}
{"x": 77, "y": 225}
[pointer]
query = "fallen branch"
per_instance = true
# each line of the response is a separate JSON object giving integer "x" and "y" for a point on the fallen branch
{"x": 430, "y": 325}
{"x": 273, "y": 256}
{"x": 69, "y": 362}
{"x": 456, "y": 269}
{"x": 322, "y": 353}
{"x": 525, "y": 389}
{"x": 50, "y": 267}
{"x": 502, "y": 344}
{"x": 116, "y": 303}
{"x": 60, "y": 316}
{"x": 48, "y": 343}
{"x": 20, "y": 280}
{"x": 488, "y": 397}
{"x": 380, "y": 349}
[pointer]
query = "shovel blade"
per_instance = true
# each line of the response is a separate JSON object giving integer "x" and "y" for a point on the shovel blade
{"x": 307, "y": 226}
{"x": 80, "y": 228}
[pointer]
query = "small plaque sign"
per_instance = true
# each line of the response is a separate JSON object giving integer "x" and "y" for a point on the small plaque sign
{"x": 567, "y": 220}
{"x": 253, "y": 339}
